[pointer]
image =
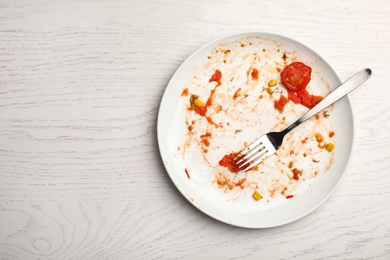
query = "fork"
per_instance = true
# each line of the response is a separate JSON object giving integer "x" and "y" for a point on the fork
{"x": 266, "y": 145}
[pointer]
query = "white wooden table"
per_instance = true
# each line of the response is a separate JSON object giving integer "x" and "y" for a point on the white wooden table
{"x": 80, "y": 172}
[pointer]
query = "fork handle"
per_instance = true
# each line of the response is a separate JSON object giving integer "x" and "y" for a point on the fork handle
{"x": 349, "y": 85}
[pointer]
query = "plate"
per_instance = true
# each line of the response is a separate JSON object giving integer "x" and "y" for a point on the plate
{"x": 191, "y": 145}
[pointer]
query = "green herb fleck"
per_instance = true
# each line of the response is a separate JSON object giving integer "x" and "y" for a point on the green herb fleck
{"x": 192, "y": 99}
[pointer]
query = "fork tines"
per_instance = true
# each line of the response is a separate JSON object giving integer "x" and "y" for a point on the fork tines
{"x": 254, "y": 154}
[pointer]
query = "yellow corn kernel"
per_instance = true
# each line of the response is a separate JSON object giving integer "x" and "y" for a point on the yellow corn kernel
{"x": 257, "y": 196}
{"x": 329, "y": 147}
{"x": 272, "y": 83}
{"x": 198, "y": 103}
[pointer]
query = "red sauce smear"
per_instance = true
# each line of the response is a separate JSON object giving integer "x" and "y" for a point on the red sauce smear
{"x": 304, "y": 98}
{"x": 279, "y": 104}
{"x": 203, "y": 109}
{"x": 296, "y": 173}
{"x": 205, "y": 138}
{"x": 217, "y": 76}
{"x": 240, "y": 183}
{"x": 200, "y": 110}
{"x": 237, "y": 93}
{"x": 185, "y": 92}
{"x": 229, "y": 161}
{"x": 211, "y": 122}
{"x": 255, "y": 74}
{"x": 188, "y": 174}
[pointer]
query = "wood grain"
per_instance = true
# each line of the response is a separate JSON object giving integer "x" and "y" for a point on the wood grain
{"x": 80, "y": 172}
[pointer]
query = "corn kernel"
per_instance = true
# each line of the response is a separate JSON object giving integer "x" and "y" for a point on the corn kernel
{"x": 198, "y": 103}
{"x": 329, "y": 147}
{"x": 272, "y": 83}
{"x": 257, "y": 196}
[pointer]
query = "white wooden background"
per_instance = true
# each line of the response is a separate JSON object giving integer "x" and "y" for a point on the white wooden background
{"x": 80, "y": 171}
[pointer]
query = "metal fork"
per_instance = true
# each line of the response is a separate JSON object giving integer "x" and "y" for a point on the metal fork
{"x": 266, "y": 145}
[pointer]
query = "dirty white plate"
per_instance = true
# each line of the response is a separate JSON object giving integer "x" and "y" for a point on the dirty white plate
{"x": 171, "y": 124}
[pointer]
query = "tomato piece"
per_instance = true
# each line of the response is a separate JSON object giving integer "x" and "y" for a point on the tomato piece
{"x": 296, "y": 76}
